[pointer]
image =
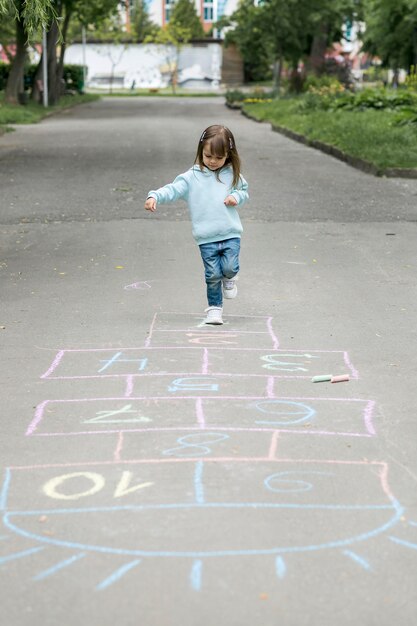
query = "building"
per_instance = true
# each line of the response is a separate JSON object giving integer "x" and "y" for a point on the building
{"x": 159, "y": 11}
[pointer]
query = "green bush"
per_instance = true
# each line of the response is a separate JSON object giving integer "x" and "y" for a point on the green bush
{"x": 380, "y": 99}
{"x": 256, "y": 95}
{"x": 235, "y": 95}
{"x": 313, "y": 82}
{"x": 4, "y": 74}
{"x": 73, "y": 77}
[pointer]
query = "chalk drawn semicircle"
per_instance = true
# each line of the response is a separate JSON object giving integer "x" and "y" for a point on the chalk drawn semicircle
{"x": 200, "y": 553}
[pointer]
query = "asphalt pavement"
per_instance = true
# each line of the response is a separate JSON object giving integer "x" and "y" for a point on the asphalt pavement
{"x": 160, "y": 472}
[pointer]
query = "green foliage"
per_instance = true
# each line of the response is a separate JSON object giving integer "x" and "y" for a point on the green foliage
{"x": 378, "y": 99}
{"x": 313, "y": 82}
{"x": 35, "y": 13}
{"x": 372, "y": 135}
{"x": 322, "y": 93}
{"x": 411, "y": 80}
{"x": 4, "y": 74}
{"x": 73, "y": 76}
{"x": 185, "y": 16}
{"x": 32, "y": 112}
{"x": 249, "y": 36}
{"x": 391, "y": 31}
{"x": 285, "y": 30}
{"x": 142, "y": 25}
{"x": 236, "y": 96}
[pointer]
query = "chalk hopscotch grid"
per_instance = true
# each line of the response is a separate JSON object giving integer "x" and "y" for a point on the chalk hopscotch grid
{"x": 195, "y": 577}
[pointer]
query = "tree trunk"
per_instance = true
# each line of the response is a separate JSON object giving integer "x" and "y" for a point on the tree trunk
{"x": 60, "y": 67}
{"x": 54, "y": 89}
{"x": 317, "y": 58}
{"x": 14, "y": 84}
{"x": 51, "y": 39}
{"x": 277, "y": 74}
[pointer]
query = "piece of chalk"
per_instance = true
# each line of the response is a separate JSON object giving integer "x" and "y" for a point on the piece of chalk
{"x": 340, "y": 379}
{"x": 323, "y": 378}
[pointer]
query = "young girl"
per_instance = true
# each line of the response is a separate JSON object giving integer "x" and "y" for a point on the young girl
{"x": 213, "y": 188}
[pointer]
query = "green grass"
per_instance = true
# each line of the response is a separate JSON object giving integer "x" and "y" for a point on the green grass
{"x": 31, "y": 113}
{"x": 371, "y": 135}
{"x": 165, "y": 91}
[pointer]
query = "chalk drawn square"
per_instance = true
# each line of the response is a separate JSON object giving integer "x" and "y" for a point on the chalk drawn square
{"x": 327, "y": 416}
{"x": 212, "y": 337}
{"x": 182, "y": 444}
{"x": 300, "y": 483}
{"x": 104, "y": 363}
{"x": 297, "y": 445}
{"x": 186, "y": 322}
{"x": 94, "y": 485}
{"x": 90, "y": 416}
{"x": 191, "y": 386}
{"x": 279, "y": 363}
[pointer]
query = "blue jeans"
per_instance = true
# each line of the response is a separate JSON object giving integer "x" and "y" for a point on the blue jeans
{"x": 221, "y": 260}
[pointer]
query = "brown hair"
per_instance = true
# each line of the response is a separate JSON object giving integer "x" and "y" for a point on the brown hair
{"x": 222, "y": 143}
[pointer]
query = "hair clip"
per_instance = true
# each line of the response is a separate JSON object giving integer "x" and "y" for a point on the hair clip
{"x": 202, "y": 136}
{"x": 230, "y": 144}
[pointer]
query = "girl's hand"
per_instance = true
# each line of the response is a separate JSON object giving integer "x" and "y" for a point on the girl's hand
{"x": 150, "y": 204}
{"x": 230, "y": 201}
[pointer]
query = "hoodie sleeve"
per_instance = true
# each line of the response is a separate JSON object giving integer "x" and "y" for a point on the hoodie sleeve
{"x": 171, "y": 192}
{"x": 240, "y": 193}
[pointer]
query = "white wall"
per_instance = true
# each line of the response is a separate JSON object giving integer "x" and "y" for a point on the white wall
{"x": 145, "y": 65}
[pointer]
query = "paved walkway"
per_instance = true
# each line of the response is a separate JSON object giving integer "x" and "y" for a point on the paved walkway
{"x": 159, "y": 472}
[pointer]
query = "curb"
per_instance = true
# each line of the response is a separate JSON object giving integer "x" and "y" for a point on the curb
{"x": 357, "y": 163}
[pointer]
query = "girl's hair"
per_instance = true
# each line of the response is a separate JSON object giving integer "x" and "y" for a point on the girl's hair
{"x": 222, "y": 143}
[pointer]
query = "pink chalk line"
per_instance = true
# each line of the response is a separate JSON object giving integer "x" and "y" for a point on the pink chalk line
{"x": 54, "y": 364}
{"x": 274, "y": 338}
{"x": 198, "y": 315}
{"x": 270, "y": 387}
{"x": 200, "y": 413}
{"x": 274, "y": 445}
{"x": 149, "y": 339}
{"x": 207, "y": 426}
{"x": 207, "y": 331}
{"x": 129, "y": 386}
{"x": 178, "y": 374}
{"x": 205, "y": 367}
{"x": 119, "y": 447}
{"x": 382, "y": 464}
{"x": 347, "y": 360}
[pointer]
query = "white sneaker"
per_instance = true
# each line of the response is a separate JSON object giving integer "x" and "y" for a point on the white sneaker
{"x": 230, "y": 287}
{"x": 214, "y": 315}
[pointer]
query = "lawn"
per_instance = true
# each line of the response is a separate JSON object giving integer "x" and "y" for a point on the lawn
{"x": 372, "y": 135}
{"x": 32, "y": 112}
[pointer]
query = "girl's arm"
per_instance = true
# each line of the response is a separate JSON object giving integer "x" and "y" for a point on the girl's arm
{"x": 240, "y": 193}
{"x": 169, "y": 193}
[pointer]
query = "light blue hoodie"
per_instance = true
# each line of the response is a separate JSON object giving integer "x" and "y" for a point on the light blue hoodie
{"x": 205, "y": 194}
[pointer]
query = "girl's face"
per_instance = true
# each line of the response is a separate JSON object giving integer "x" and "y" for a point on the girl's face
{"x": 210, "y": 160}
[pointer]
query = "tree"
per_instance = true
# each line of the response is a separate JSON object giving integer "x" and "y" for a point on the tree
{"x": 183, "y": 26}
{"x": 391, "y": 32}
{"x": 185, "y": 16}
{"x": 142, "y": 25}
{"x": 247, "y": 33}
{"x": 93, "y": 12}
{"x": 34, "y": 13}
{"x": 28, "y": 16}
{"x": 287, "y": 31}
{"x": 8, "y": 35}
{"x": 171, "y": 38}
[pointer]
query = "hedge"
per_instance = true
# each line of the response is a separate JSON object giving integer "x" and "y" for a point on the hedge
{"x": 73, "y": 76}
